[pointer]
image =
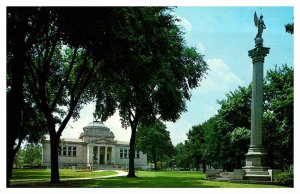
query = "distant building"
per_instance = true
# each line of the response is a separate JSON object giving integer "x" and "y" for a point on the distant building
{"x": 95, "y": 148}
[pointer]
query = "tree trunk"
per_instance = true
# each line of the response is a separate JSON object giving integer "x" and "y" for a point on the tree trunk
{"x": 131, "y": 172}
{"x": 54, "y": 141}
{"x": 204, "y": 166}
{"x": 161, "y": 163}
{"x": 10, "y": 161}
{"x": 14, "y": 105}
{"x": 155, "y": 161}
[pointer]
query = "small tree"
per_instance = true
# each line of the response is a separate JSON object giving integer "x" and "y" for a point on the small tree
{"x": 154, "y": 140}
{"x": 32, "y": 154}
{"x": 181, "y": 156}
{"x": 195, "y": 144}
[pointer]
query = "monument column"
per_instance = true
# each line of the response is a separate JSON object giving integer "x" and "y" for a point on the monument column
{"x": 257, "y": 54}
{"x": 256, "y": 157}
{"x": 256, "y": 168}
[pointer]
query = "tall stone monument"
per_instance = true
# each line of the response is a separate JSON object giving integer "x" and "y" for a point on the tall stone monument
{"x": 256, "y": 167}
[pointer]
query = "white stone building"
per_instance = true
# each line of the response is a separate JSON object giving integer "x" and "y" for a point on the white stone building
{"x": 96, "y": 148}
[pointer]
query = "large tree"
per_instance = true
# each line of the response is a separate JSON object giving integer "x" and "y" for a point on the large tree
{"x": 23, "y": 28}
{"x": 60, "y": 63}
{"x": 155, "y": 70}
{"x": 59, "y": 72}
{"x": 279, "y": 102}
{"x": 154, "y": 140}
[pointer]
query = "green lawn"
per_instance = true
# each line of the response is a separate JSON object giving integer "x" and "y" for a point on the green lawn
{"x": 146, "y": 179}
{"x": 44, "y": 174}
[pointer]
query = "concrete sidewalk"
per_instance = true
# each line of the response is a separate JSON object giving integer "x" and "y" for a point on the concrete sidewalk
{"x": 120, "y": 173}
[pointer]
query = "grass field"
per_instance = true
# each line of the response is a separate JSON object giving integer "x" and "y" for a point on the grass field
{"x": 44, "y": 174}
{"x": 146, "y": 179}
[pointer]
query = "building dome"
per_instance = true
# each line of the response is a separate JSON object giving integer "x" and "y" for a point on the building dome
{"x": 97, "y": 129}
{"x": 96, "y": 125}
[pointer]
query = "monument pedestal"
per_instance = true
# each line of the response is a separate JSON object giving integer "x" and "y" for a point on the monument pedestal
{"x": 256, "y": 168}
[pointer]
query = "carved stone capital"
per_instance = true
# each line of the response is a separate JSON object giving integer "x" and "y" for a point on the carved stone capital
{"x": 258, "y": 54}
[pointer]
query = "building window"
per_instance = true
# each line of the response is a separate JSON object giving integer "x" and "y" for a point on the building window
{"x": 137, "y": 154}
{"x": 74, "y": 151}
{"x": 121, "y": 153}
{"x": 64, "y": 150}
{"x": 125, "y": 153}
{"x": 95, "y": 152}
{"x": 69, "y": 151}
{"x": 59, "y": 150}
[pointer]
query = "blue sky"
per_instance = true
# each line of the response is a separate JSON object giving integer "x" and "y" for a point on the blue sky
{"x": 224, "y": 35}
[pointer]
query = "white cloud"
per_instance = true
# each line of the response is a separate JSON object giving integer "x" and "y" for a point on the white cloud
{"x": 178, "y": 130}
{"x": 219, "y": 79}
{"x": 200, "y": 48}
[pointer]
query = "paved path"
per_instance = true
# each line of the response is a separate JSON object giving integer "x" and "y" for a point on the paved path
{"x": 120, "y": 173}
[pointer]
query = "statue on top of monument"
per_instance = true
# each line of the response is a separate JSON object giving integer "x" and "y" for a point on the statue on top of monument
{"x": 259, "y": 23}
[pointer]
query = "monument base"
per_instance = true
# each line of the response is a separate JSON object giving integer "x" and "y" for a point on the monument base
{"x": 256, "y": 168}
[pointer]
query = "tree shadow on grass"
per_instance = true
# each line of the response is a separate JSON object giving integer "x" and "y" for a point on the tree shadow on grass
{"x": 123, "y": 182}
{"x": 153, "y": 180}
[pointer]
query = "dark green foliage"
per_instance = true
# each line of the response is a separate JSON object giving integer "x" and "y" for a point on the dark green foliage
{"x": 31, "y": 154}
{"x": 279, "y": 128}
{"x": 289, "y": 28}
{"x": 285, "y": 178}
{"x": 195, "y": 147}
{"x": 25, "y": 26}
{"x": 181, "y": 157}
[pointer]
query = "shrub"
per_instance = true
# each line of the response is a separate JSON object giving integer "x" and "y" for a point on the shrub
{"x": 285, "y": 178}
{"x": 139, "y": 168}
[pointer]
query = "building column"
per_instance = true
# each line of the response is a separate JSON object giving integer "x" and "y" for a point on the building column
{"x": 105, "y": 155}
{"x": 113, "y": 155}
{"x": 87, "y": 153}
{"x": 89, "y": 156}
{"x": 256, "y": 156}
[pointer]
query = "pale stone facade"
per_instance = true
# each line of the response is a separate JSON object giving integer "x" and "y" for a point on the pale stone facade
{"x": 95, "y": 148}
